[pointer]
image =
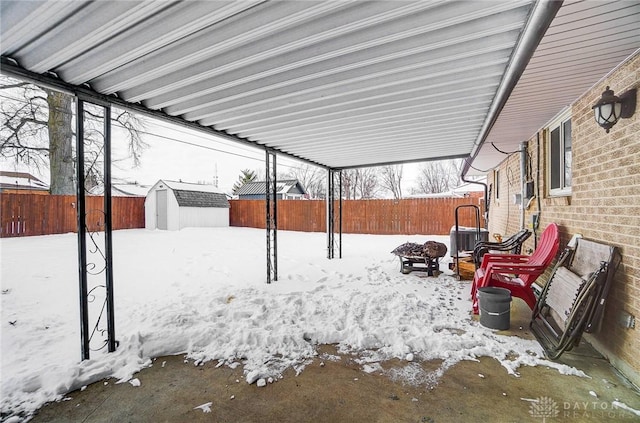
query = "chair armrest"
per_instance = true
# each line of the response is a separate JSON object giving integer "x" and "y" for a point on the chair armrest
{"x": 491, "y": 256}
{"x": 484, "y": 244}
{"x": 527, "y": 269}
{"x": 513, "y": 244}
{"x": 481, "y": 250}
{"x": 508, "y": 244}
{"x": 503, "y": 258}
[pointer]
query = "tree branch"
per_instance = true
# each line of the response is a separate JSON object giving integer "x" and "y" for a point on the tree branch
{"x": 16, "y": 85}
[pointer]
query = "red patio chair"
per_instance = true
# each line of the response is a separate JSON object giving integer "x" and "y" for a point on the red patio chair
{"x": 517, "y": 272}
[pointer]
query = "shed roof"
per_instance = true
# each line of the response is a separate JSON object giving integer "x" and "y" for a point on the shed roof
{"x": 337, "y": 83}
{"x": 201, "y": 199}
{"x": 259, "y": 187}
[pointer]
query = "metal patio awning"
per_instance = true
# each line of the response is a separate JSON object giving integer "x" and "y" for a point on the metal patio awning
{"x": 336, "y": 83}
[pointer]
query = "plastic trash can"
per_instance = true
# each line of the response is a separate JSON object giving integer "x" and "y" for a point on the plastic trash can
{"x": 495, "y": 307}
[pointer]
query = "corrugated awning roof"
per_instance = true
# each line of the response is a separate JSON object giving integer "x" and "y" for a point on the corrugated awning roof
{"x": 336, "y": 83}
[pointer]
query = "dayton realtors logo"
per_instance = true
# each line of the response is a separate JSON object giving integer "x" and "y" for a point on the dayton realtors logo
{"x": 544, "y": 408}
{"x": 547, "y": 408}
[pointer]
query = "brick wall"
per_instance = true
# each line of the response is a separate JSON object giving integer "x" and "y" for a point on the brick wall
{"x": 604, "y": 205}
{"x": 505, "y": 215}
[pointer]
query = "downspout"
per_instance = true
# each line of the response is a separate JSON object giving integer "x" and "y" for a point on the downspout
{"x": 485, "y": 213}
{"x": 535, "y": 224}
{"x": 523, "y": 182}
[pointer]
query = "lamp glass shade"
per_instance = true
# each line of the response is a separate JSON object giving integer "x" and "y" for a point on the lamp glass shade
{"x": 608, "y": 114}
{"x": 607, "y": 110}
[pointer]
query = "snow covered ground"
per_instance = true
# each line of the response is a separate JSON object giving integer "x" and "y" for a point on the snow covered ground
{"x": 202, "y": 292}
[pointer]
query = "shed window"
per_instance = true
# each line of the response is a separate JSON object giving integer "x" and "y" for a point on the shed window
{"x": 559, "y": 168}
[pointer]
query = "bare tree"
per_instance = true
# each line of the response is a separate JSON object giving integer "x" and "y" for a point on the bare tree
{"x": 23, "y": 133}
{"x": 368, "y": 186}
{"x": 37, "y": 130}
{"x": 438, "y": 176}
{"x": 360, "y": 183}
{"x": 347, "y": 178}
{"x": 312, "y": 178}
{"x": 391, "y": 179}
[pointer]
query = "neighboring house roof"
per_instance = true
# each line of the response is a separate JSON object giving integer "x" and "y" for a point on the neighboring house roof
{"x": 123, "y": 190}
{"x": 196, "y": 195}
{"x": 21, "y": 180}
{"x": 129, "y": 190}
{"x": 282, "y": 187}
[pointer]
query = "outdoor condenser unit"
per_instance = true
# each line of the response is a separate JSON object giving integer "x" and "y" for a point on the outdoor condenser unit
{"x": 468, "y": 238}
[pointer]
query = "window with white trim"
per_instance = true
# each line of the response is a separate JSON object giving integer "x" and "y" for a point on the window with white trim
{"x": 559, "y": 156}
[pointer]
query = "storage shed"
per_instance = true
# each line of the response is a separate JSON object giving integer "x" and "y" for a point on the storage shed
{"x": 175, "y": 205}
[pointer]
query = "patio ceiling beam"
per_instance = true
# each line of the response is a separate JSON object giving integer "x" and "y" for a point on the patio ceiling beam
{"x": 399, "y": 162}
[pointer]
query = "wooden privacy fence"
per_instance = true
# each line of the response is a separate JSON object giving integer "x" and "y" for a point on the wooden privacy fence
{"x": 429, "y": 216}
{"x": 29, "y": 214}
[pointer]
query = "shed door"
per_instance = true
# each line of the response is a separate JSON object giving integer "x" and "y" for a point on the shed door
{"x": 161, "y": 209}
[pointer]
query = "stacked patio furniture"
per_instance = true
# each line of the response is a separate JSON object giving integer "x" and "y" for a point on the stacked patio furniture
{"x": 573, "y": 300}
{"x": 517, "y": 272}
{"x": 513, "y": 244}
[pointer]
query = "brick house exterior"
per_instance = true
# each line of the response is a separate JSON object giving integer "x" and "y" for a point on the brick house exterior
{"x": 604, "y": 204}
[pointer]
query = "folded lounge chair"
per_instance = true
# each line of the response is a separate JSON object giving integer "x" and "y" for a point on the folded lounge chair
{"x": 573, "y": 300}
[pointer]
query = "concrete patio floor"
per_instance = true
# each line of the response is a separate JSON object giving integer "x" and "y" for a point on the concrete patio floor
{"x": 339, "y": 391}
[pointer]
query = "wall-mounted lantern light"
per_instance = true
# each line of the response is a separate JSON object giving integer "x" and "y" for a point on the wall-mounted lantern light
{"x": 610, "y": 108}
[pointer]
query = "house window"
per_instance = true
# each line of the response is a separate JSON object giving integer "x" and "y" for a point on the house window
{"x": 559, "y": 168}
{"x": 496, "y": 183}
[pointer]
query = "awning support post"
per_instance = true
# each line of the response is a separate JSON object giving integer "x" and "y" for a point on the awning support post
{"x": 108, "y": 228}
{"x": 82, "y": 233}
{"x": 334, "y": 188}
{"x": 271, "y": 216}
{"x": 85, "y": 269}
